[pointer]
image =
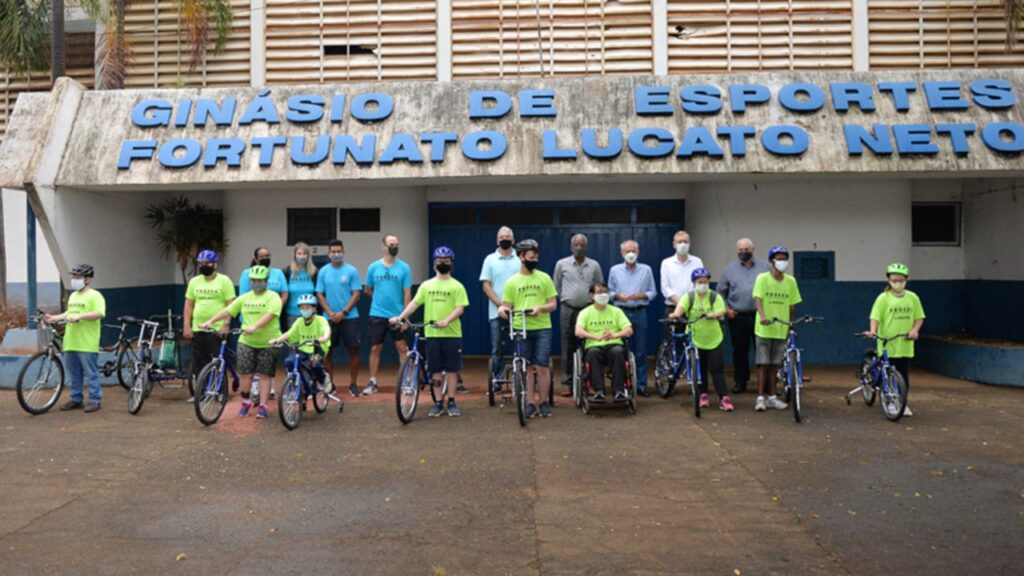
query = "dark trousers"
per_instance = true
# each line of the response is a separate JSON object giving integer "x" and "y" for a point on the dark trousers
{"x": 204, "y": 347}
{"x": 902, "y": 365}
{"x": 567, "y": 324}
{"x": 713, "y": 361}
{"x": 741, "y": 333}
{"x": 599, "y": 358}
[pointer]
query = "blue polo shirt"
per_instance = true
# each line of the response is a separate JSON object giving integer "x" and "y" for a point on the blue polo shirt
{"x": 337, "y": 286}
{"x": 497, "y": 269}
{"x": 388, "y": 285}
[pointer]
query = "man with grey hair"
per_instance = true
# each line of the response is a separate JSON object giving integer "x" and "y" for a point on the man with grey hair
{"x": 676, "y": 271}
{"x": 498, "y": 267}
{"x": 574, "y": 275}
{"x": 736, "y": 285}
{"x": 632, "y": 289}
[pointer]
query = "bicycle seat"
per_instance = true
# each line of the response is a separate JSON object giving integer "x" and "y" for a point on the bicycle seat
{"x": 127, "y": 319}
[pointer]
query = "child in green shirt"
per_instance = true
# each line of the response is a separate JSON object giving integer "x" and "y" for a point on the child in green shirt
{"x": 308, "y": 327}
{"x": 707, "y": 335}
{"x": 775, "y": 296}
{"x": 898, "y": 311}
{"x": 602, "y": 328}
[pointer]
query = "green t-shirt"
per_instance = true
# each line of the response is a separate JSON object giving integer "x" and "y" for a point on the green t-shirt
{"x": 529, "y": 291}
{"x": 314, "y": 330}
{"x": 84, "y": 336}
{"x": 253, "y": 307}
{"x": 595, "y": 321}
{"x": 209, "y": 297}
{"x": 776, "y": 297}
{"x": 707, "y": 334}
{"x": 896, "y": 315}
{"x": 438, "y": 298}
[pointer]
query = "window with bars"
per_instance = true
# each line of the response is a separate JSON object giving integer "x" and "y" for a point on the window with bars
{"x": 940, "y": 34}
{"x": 512, "y": 38}
{"x": 713, "y": 36}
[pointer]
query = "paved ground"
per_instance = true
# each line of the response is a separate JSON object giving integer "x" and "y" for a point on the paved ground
{"x": 846, "y": 492}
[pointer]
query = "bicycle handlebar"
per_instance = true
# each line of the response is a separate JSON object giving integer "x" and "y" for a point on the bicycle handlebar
{"x": 803, "y": 319}
{"x": 869, "y": 336}
{"x": 681, "y": 321}
{"x": 232, "y": 332}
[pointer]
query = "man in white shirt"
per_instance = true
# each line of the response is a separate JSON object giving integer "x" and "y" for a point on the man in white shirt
{"x": 675, "y": 273}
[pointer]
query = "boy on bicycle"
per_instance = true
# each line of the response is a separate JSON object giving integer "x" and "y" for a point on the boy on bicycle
{"x": 308, "y": 327}
{"x": 775, "y": 296}
{"x": 707, "y": 335}
{"x": 443, "y": 299}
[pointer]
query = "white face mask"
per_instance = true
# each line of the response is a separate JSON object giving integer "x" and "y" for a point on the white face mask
{"x": 630, "y": 257}
{"x": 601, "y": 299}
{"x": 781, "y": 265}
{"x": 702, "y": 288}
{"x": 682, "y": 248}
{"x": 898, "y": 285}
{"x": 77, "y": 284}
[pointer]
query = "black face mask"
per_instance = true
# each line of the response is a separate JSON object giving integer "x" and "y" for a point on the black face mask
{"x": 393, "y": 250}
{"x": 530, "y": 264}
{"x": 505, "y": 244}
{"x": 206, "y": 270}
{"x": 444, "y": 268}
{"x": 264, "y": 262}
{"x": 745, "y": 256}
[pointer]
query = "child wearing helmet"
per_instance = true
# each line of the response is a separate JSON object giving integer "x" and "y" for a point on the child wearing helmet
{"x": 898, "y": 311}
{"x": 84, "y": 314}
{"x": 776, "y": 294}
{"x": 309, "y": 326}
{"x": 443, "y": 299}
{"x": 707, "y": 335}
{"x": 207, "y": 293}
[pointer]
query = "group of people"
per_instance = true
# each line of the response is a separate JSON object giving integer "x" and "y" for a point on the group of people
{"x": 607, "y": 318}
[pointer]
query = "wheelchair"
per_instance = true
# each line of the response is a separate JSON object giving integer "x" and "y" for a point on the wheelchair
{"x": 582, "y": 390}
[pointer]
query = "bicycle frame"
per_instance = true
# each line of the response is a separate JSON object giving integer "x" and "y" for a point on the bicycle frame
{"x": 223, "y": 361}
{"x": 518, "y": 337}
{"x": 791, "y": 348}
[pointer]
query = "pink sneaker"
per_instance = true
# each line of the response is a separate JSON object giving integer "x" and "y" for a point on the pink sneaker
{"x": 704, "y": 401}
{"x": 725, "y": 404}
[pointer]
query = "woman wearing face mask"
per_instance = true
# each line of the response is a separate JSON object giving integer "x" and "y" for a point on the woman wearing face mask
{"x": 276, "y": 282}
{"x": 898, "y": 311}
{"x": 300, "y": 276}
{"x": 707, "y": 335}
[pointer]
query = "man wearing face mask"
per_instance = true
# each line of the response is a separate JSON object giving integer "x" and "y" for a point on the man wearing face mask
{"x": 676, "y": 271}
{"x": 775, "y": 296}
{"x": 603, "y": 327}
{"x": 498, "y": 267}
{"x": 736, "y": 285}
{"x": 631, "y": 287}
{"x": 338, "y": 289}
{"x": 574, "y": 275}
{"x": 206, "y": 294}
{"x": 86, "y": 309}
{"x": 389, "y": 283}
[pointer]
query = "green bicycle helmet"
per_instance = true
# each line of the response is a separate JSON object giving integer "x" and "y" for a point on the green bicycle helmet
{"x": 897, "y": 268}
{"x": 259, "y": 272}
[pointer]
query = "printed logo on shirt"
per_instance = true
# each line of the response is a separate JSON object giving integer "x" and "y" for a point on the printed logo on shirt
{"x": 387, "y": 277}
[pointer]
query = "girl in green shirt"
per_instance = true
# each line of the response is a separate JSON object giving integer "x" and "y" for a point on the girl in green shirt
{"x": 898, "y": 311}
{"x": 707, "y": 335}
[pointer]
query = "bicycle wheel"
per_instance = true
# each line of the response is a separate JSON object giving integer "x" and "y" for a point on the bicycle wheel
{"x": 126, "y": 360}
{"x": 320, "y": 397}
{"x": 212, "y": 394}
{"x": 894, "y": 395}
{"x": 137, "y": 393}
{"x": 867, "y": 389}
{"x": 577, "y": 380}
{"x": 490, "y": 386}
{"x": 290, "y": 401}
{"x": 407, "y": 391}
{"x": 438, "y": 387}
{"x": 795, "y": 385}
{"x": 519, "y": 392}
{"x": 691, "y": 377}
{"x": 663, "y": 379}
{"x": 40, "y": 382}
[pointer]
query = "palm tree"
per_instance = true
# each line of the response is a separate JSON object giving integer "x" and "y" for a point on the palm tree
{"x": 183, "y": 228}
{"x": 1014, "y": 19}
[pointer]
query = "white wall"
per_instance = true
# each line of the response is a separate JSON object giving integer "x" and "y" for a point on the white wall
{"x": 554, "y": 192}
{"x": 14, "y": 238}
{"x": 994, "y": 229}
{"x": 938, "y": 262}
{"x": 865, "y": 222}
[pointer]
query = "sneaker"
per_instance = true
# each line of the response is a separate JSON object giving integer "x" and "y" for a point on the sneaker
{"x": 437, "y": 410}
{"x": 759, "y": 405}
{"x": 261, "y": 412}
{"x": 353, "y": 389}
{"x": 774, "y": 402}
{"x": 244, "y": 410}
{"x": 70, "y": 405}
{"x": 907, "y": 412}
{"x": 725, "y": 404}
{"x": 370, "y": 389}
{"x": 598, "y": 396}
{"x": 705, "y": 401}
{"x": 273, "y": 394}
{"x": 191, "y": 400}
{"x": 461, "y": 388}
{"x": 545, "y": 410}
{"x": 453, "y": 410}
{"x": 92, "y": 407}
{"x": 621, "y": 396}
{"x": 531, "y": 410}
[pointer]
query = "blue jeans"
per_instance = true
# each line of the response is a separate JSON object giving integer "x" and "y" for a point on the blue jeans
{"x": 304, "y": 360}
{"x": 638, "y": 343}
{"x": 499, "y": 334}
{"x": 81, "y": 367}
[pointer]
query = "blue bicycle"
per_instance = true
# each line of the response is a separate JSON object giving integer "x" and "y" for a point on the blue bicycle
{"x": 300, "y": 383}
{"x": 415, "y": 375}
{"x": 676, "y": 355}
{"x": 210, "y": 388}
{"x": 792, "y": 369}
{"x": 878, "y": 377}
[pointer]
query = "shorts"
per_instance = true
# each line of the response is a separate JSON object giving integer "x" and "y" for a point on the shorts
{"x": 257, "y": 360}
{"x": 770, "y": 351}
{"x": 537, "y": 347}
{"x": 444, "y": 355}
{"x": 380, "y": 328}
{"x": 346, "y": 334}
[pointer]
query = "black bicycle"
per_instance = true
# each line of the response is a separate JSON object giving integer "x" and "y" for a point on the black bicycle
{"x": 41, "y": 379}
{"x": 124, "y": 353}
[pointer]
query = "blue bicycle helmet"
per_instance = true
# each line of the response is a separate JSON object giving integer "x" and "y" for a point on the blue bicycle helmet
{"x": 700, "y": 273}
{"x": 776, "y": 250}
{"x": 207, "y": 256}
{"x": 444, "y": 252}
{"x": 307, "y": 299}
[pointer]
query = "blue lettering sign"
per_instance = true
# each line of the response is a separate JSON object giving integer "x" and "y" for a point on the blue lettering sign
{"x": 593, "y": 150}
{"x": 652, "y": 101}
{"x": 664, "y": 142}
{"x": 877, "y": 139}
{"x": 495, "y": 140}
{"x": 489, "y": 104}
{"x": 536, "y": 103}
{"x": 168, "y": 153}
{"x": 772, "y": 140}
{"x": 227, "y": 149}
{"x": 914, "y": 139}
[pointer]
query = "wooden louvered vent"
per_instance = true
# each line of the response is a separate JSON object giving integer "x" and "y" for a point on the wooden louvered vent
{"x": 716, "y": 36}
{"x": 940, "y": 34}
{"x": 516, "y": 38}
{"x": 320, "y": 41}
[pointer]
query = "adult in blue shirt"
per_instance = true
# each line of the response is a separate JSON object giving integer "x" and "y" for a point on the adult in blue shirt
{"x": 338, "y": 289}
{"x": 301, "y": 277}
{"x": 631, "y": 286}
{"x": 498, "y": 267}
{"x": 389, "y": 283}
